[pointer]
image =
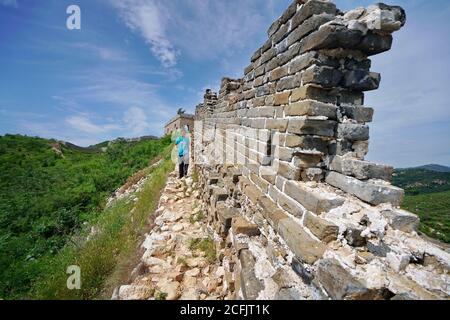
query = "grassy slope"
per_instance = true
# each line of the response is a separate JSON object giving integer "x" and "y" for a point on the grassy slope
{"x": 434, "y": 212}
{"x": 428, "y": 196}
{"x": 102, "y": 257}
{"x": 45, "y": 198}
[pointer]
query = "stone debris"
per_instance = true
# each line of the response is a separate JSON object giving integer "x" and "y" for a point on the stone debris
{"x": 170, "y": 268}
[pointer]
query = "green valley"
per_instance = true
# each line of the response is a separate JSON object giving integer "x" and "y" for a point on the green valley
{"x": 427, "y": 195}
{"x": 50, "y": 191}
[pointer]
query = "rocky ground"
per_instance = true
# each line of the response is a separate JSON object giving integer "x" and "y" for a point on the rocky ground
{"x": 179, "y": 260}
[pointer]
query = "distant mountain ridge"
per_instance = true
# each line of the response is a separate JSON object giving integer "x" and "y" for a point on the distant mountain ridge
{"x": 430, "y": 167}
{"x": 435, "y": 167}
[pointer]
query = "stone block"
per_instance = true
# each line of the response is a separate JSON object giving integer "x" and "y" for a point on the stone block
{"x": 282, "y": 98}
{"x": 250, "y": 285}
{"x": 312, "y": 126}
{"x": 310, "y": 25}
{"x": 372, "y": 192}
{"x": 252, "y": 193}
{"x": 261, "y": 183}
{"x": 302, "y": 62}
{"x": 286, "y": 170}
{"x": 340, "y": 284}
{"x": 402, "y": 220}
{"x": 288, "y": 83}
{"x": 361, "y": 80}
{"x": 313, "y": 199}
{"x": 311, "y": 8}
{"x": 313, "y": 93}
{"x": 305, "y": 248}
{"x": 322, "y": 229}
{"x": 278, "y": 73}
{"x": 353, "y": 131}
{"x": 240, "y": 225}
{"x": 326, "y": 77}
{"x": 359, "y": 114}
{"x": 277, "y": 124}
{"x": 290, "y": 206}
{"x": 271, "y": 212}
{"x": 332, "y": 37}
{"x": 306, "y": 143}
{"x": 362, "y": 170}
{"x": 372, "y": 43}
{"x": 311, "y": 108}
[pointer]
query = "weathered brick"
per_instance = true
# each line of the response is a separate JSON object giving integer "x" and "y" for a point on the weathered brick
{"x": 271, "y": 212}
{"x": 282, "y": 98}
{"x": 326, "y": 77}
{"x": 322, "y": 229}
{"x": 369, "y": 191}
{"x": 312, "y": 126}
{"x": 362, "y": 170}
{"x": 277, "y": 124}
{"x": 313, "y": 93}
{"x": 311, "y": 108}
{"x": 353, "y": 131}
{"x": 311, "y": 8}
{"x": 290, "y": 206}
{"x": 310, "y": 25}
{"x": 313, "y": 199}
{"x": 241, "y": 225}
{"x": 305, "y": 248}
{"x": 306, "y": 142}
{"x": 287, "y": 170}
{"x": 278, "y": 73}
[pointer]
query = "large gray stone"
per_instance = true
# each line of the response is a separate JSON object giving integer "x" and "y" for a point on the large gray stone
{"x": 361, "y": 80}
{"x": 310, "y": 8}
{"x": 312, "y": 126}
{"x": 372, "y": 192}
{"x": 327, "y": 77}
{"x": 330, "y": 37}
{"x": 362, "y": 170}
{"x": 321, "y": 228}
{"x": 402, "y": 220}
{"x": 340, "y": 284}
{"x": 359, "y": 114}
{"x": 250, "y": 284}
{"x": 305, "y": 248}
{"x": 313, "y": 199}
{"x": 310, "y": 25}
{"x": 311, "y": 108}
{"x": 353, "y": 131}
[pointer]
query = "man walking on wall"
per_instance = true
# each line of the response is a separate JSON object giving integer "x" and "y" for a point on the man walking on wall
{"x": 183, "y": 142}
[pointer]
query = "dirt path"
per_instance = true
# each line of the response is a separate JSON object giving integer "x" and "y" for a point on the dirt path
{"x": 179, "y": 260}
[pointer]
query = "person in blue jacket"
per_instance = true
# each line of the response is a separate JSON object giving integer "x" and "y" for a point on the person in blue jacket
{"x": 183, "y": 142}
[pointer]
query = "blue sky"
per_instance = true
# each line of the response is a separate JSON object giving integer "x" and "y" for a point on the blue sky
{"x": 135, "y": 62}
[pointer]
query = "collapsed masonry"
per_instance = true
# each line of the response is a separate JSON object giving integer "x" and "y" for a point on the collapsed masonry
{"x": 281, "y": 152}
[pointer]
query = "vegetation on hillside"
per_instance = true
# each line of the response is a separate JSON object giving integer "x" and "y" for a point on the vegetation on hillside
{"x": 420, "y": 181}
{"x": 48, "y": 191}
{"x": 428, "y": 196}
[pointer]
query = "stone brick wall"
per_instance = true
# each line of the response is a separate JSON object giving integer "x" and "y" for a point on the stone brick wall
{"x": 281, "y": 152}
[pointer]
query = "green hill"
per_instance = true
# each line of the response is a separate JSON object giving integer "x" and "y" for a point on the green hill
{"x": 49, "y": 190}
{"x": 427, "y": 191}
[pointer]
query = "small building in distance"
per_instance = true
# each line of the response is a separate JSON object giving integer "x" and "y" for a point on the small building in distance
{"x": 178, "y": 122}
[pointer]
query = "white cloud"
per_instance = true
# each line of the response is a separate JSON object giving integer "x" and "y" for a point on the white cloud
{"x": 84, "y": 124}
{"x": 104, "y": 53}
{"x": 9, "y": 3}
{"x": 148, "y": 19}
{"x": 135, "y": 121}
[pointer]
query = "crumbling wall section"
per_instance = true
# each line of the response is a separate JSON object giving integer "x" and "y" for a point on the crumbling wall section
{"x": 281, "y": 157}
